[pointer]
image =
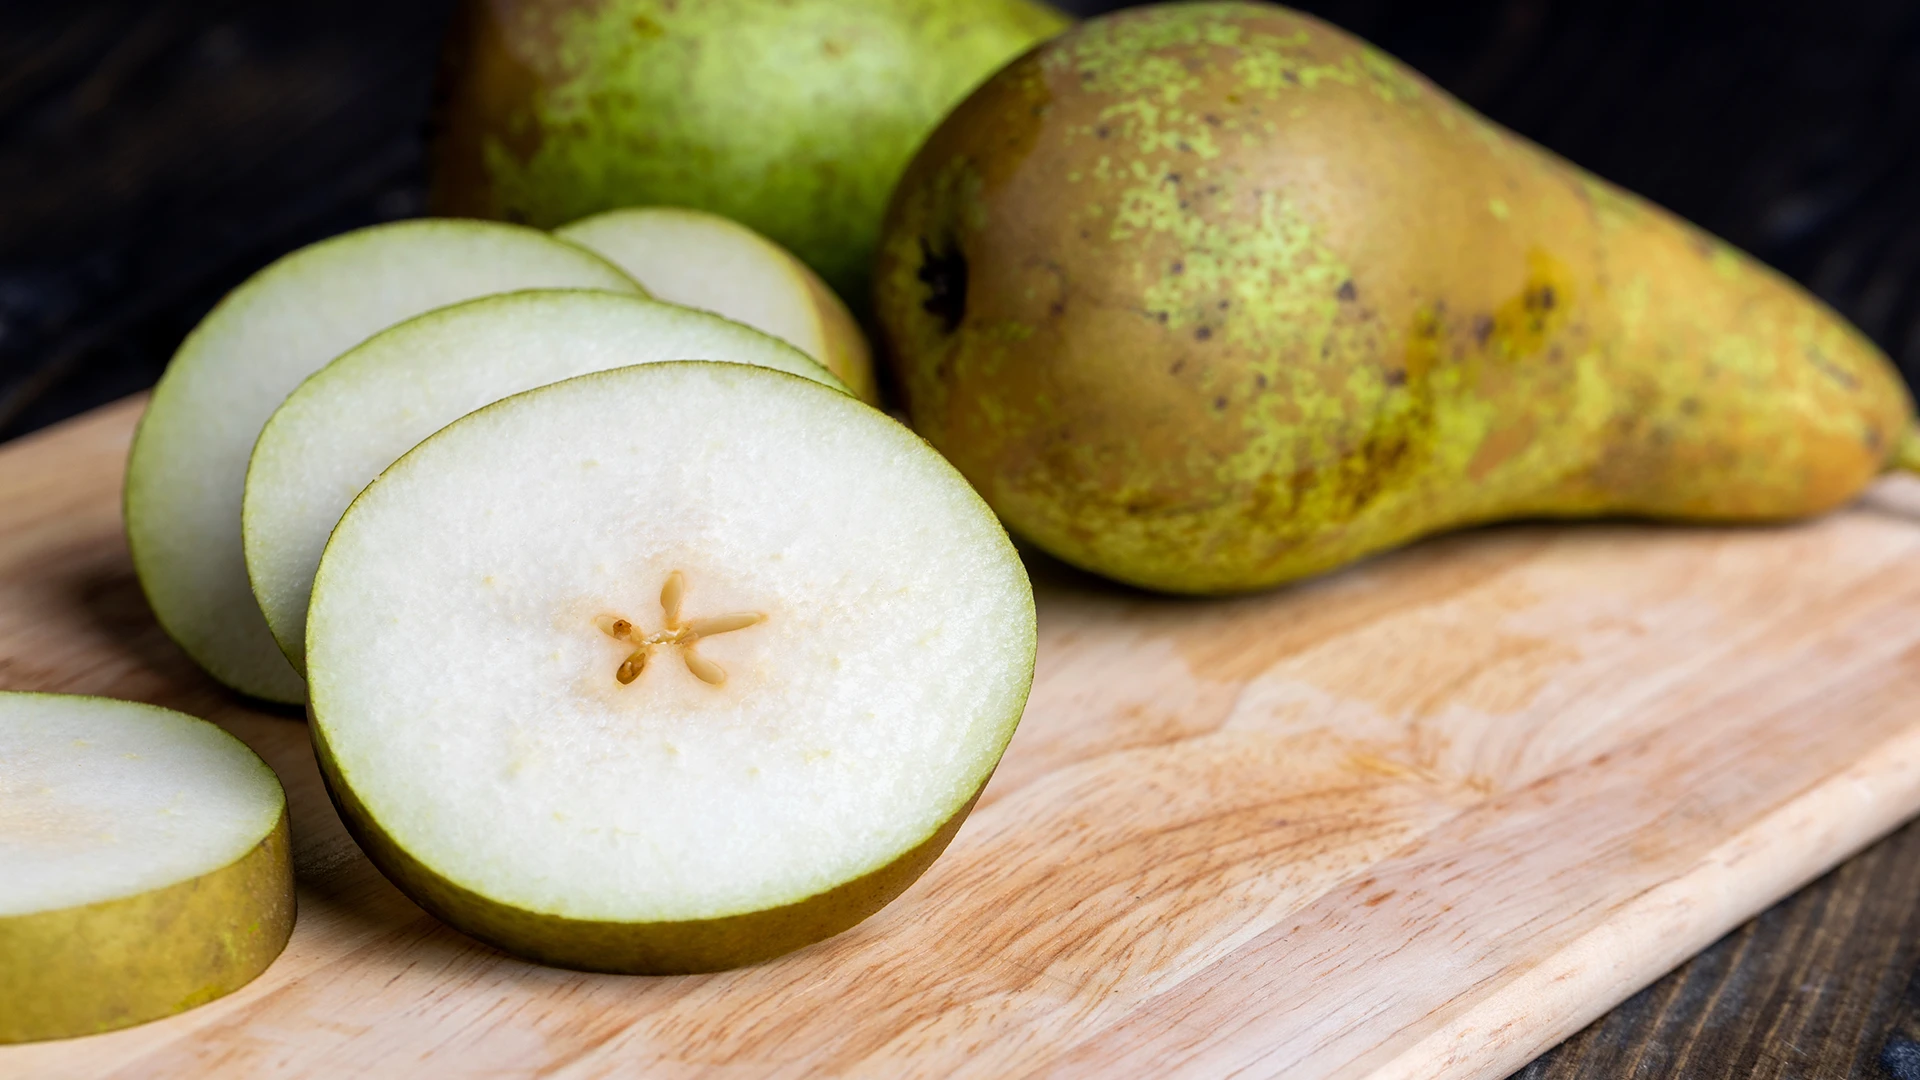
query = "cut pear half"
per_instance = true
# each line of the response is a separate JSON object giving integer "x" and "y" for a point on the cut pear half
{"x": 715, "y": 264}
{"x": 358, "y": 414}
{"x": 144, "y": 865}
{"x": 669, "y": 668}
{"x": 188, "y": 465}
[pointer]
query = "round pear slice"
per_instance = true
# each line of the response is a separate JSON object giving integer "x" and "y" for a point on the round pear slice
{"x": 358, "y": 414}
{"x": 144, "y": 865}
{"x": 188, "y": 465}
{"x": 669, "y": 668}
{"x": 715, "y": 264}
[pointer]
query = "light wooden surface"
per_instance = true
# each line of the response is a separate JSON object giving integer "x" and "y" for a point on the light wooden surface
{"x": 1421, "y": 819}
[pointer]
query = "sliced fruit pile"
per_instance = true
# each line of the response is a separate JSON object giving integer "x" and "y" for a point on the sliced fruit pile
{"x": 189, "y": 461}
{"x": 630, "y": 638}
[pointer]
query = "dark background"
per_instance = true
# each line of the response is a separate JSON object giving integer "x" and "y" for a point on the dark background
{"x": 153, "y": 153}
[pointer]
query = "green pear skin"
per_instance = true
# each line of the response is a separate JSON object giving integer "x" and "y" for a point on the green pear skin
{"x": 1209, "y": 297}
{"x": 79, "y": 971}
{"x": 683, "y": 947}
{"x": 794, "y": 118}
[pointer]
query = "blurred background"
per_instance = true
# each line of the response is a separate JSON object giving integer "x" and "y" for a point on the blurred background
{"x": 153, "y": 153}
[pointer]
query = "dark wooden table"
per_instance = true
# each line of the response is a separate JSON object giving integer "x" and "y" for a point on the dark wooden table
{"x": 155, "y": 152}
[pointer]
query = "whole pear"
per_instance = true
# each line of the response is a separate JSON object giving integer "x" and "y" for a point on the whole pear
{"x": 1208, "y": 297}
{"x": 793, "y": 117}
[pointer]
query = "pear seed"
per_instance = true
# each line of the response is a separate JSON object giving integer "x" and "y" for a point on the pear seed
{"x": 630, "y": 669}
{"x": 670, "y": 595}
{"x": 703, "y": 669}
{"x": 720, "y": 624}
{"x": 675, "y": 635}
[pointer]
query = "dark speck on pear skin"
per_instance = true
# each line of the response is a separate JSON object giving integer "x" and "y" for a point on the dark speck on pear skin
{"x": 1203, "y": 333}
{"x": 1348, "y": 292}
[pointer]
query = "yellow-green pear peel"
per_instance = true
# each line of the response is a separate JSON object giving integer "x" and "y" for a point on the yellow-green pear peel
{"x": 162, "y": 883}
{"x": 709, "y": 262}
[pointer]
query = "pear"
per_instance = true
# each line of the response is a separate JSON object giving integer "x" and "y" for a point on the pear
{"x": 1211, "y": 297}
{"x": 186, "y": 472}
{"x": 705, "y": 261}
{"x": 793, "y": 118}
{"x": 357, "y": 415}
{"x": 668, "y": 668}
{"x": 146, "y": 865}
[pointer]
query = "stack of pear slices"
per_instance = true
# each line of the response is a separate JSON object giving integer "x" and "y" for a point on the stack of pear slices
{"x": 630, "y": 637}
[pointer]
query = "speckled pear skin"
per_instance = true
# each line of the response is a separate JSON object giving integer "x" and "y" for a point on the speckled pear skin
{"x": 78, "y": 971}
{"x": 794, "y": 118}
{"x": 1209, "y": 297}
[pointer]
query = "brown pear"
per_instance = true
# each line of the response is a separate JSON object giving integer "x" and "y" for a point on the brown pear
{"x": 1207, "y": 297}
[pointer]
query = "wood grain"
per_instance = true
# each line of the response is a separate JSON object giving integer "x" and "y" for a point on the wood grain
{"x": 1820, "y": 986}
{"x": 1421, "y": 819}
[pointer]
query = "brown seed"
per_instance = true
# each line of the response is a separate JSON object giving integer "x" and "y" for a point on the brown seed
{"x": 614, "y": 627}
{"x": 631, "y": 668}
{"x": 720, "y": 624}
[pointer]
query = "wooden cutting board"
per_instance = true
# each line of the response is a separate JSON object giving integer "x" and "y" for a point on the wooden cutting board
{"x": 1420, "y": 819}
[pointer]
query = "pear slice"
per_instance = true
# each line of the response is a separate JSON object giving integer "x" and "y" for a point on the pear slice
{"x": 144, "y": 865}
{"x": 668, "y": 668}
{"x": 715, "y": 264}
{"x": 358, "y": 414}
{"x": 188, "y": 465}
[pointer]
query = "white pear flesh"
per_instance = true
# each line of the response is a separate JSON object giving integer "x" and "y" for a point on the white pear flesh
{"x": 716, "y": 264}
{"x": 144, "y": 865}
{"x": 357, "y": 415}
{"x": 508, "y": 709}
{"x": 188, "y": 465}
